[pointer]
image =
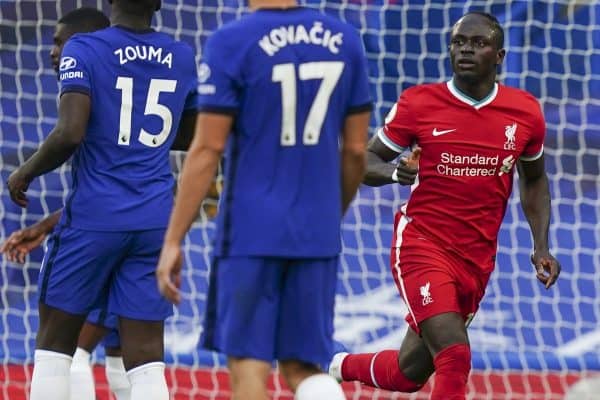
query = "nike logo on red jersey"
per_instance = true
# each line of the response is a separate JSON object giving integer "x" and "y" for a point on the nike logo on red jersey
{"x": 439, "y": 133}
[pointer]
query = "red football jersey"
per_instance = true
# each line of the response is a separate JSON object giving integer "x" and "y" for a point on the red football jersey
{"x": 466, "y": 168}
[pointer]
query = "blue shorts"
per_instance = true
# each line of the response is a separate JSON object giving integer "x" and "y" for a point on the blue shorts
{"x": 83, "y": 270}
{"x": 271, "y": 308}
{"x": 101, "y": 317}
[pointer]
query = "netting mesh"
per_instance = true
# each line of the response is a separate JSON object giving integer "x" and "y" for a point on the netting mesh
{"x": 528, "y": 343}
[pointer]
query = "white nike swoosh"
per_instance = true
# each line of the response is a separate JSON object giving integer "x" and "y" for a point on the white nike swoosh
{"x": 439, "y": 133}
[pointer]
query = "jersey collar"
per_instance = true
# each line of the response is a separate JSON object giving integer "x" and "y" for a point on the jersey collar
{"x": 477, "y": 104}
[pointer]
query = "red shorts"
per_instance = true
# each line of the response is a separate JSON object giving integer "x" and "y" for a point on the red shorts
{"x": 431, "y": 279}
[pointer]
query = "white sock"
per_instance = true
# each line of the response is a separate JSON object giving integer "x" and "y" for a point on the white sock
{"x": 148, "y": 382}
{"x": 319, "y": 387}
{"x": 82, "y": 378}
{"x": 117, "y": 378}
{"x": 50, "y": 380}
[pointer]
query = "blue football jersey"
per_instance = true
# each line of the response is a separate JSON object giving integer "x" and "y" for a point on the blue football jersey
{"x": 140, "y": 84}
{"x": 290, "y": 77}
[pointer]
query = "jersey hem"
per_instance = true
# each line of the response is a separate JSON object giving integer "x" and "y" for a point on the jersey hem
{"x": 218, "y": 110}
{"x": 388, "y": 142}
{"x": 222, "y": 255}
{"x": 75, "y": 89}
{"x": 360, "y": 108}
{"x": 533, "y": 157}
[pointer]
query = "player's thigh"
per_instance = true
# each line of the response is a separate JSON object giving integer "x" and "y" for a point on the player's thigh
{"x": 77, "y": 268}
{"x": 134, "y": 291}
{"x": 243, "y": 307}
{"x": 427, "y": 290}
{"x": 58, "y": 330}
{"x": 102, "y": 327}
{"x": 305, "y": 331}
{"x": 91, "y": 333}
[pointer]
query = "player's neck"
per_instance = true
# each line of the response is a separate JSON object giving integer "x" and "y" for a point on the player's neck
{"x": 134, "y": 22}
{"x": 258, "y": 4}
{"x": 475, "y": 90}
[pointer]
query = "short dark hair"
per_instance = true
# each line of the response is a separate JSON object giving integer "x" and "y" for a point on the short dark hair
{"x": 499, "y": 32}
{"x": 85, "y": 19}
{"x": 139, "y": 6}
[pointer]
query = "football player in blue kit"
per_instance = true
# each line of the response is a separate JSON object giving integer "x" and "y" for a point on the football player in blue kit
{"x": 99, "y": 326}
{"x": 128, "y": 95}
{"x": 284, "y": 93}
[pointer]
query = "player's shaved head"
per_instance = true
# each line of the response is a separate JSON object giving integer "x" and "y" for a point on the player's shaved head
{"x": 84, "y": 19}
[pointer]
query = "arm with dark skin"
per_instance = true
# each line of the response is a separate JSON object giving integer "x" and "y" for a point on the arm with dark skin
{"x": 352, "y": 155}
{"x": 380, "y": 170}
{"x": 185, "y": 132}
{"x": 535, "y": 201}
{"x": 73, "y": 115}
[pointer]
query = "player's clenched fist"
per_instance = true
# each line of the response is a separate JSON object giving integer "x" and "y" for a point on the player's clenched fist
{"x": 168, "y": 272}
{"x": 408, "y": 168}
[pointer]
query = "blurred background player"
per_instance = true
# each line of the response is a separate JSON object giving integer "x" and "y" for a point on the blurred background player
{"x": 118, "y": 114}
{"x": 285, "y": 89}
{"x": 444, "y": 243}
{"x": 20, "y": 242}
{"x": 99, "y": 326}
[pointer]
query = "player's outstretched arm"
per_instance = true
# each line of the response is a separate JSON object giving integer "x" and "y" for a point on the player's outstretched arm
{"x": 185, "y": 132}
{"x": 381, "y": 172}
{"x": 21, "y": 242}
{"x": 73, "y": 114}
{"x": 535, "y": 201}
{"x": 197, "y": 174}
{"x": 354, "y": 145}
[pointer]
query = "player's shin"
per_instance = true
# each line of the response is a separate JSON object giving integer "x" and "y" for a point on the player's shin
{"x": 82, "y": 379}
{"x": 50, "y": 380}
{"x": 380, "y": 370}
{"x": 452, "y": 367}
{"x": 148, "y": 382}
{"x": 117, "y": 378}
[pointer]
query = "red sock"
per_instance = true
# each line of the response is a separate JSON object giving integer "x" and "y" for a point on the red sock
{"x": 380, "y": 370}
{"x": 452, "y": 367}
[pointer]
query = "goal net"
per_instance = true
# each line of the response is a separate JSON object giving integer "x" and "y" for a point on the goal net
{"x": 528, "y": 343}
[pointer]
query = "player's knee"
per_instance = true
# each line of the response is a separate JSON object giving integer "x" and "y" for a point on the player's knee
{"x": 443, "y": 330}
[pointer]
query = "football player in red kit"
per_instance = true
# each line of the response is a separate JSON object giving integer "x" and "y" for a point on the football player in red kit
{"x": 472, "y": 132}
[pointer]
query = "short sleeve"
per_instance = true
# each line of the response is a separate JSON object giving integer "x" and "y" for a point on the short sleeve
{"x": 535, "y": 147}
{"x": 73, "y": 73}
{"x": 360, "y": 98}
{"x": 399, "y": 129}
{"x": 217, "y": 89}
{"x": 192, "y": 98}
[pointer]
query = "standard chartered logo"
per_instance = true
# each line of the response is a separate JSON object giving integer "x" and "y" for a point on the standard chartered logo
{"x": 467, "y": 165}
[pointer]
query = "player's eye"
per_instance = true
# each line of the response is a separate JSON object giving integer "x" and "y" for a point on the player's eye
{"x": 481, "y": 43}
{"x": 457, "y": 42}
